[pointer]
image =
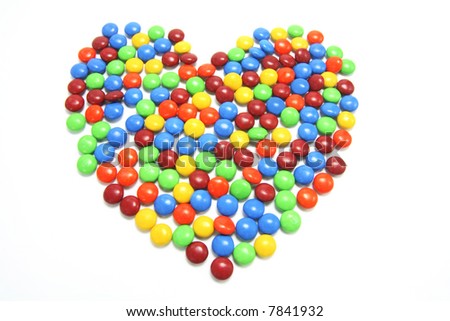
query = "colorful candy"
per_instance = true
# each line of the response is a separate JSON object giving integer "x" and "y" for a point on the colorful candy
{"x": 212, "y": 131}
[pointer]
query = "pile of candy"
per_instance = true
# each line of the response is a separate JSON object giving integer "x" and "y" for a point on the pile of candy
{"x": 188, "y": 154}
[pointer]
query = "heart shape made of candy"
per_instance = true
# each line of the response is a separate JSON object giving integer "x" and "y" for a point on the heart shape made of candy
{"x": 188, "y": 122}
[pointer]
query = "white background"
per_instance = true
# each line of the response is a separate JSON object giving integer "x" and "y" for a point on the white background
{"x": 376, "y": 248}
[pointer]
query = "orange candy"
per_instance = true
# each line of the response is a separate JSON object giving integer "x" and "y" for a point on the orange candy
{"x": 86, "y": 54}
{"x": 127, "y": 176}
{"x": 132, "y": 80}
{"x": 128, "y": 157}
{"x": 206, "y": 70}
{"x": 94, "y": 114}
{"x": 106, "y": 172}
{"x": 168, "y": 109}
{"x": 342, "y": 138}
{"x": 218, "y": 186}
{"x": 334, "y": 64}
{"x": 147, "y": 193}
{"x": 187, "y": 71}
{"x": 315, "y": 36}
{"x": 184, "y": 214}
{"x": 295, "y": 101}
{"x": 187, "y": 111}
{"x": 282, "y": 46}
{"x": 266, "y": 148}
{"x": 286, "y": 75}
{"x": 323, "y": 183}
{"x": 209, "y": 116}
{"x": 252, "y": 175}
{"x": 307, "y": 197}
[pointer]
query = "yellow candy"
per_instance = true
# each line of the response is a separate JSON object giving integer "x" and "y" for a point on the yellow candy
{"x": 140, "y": 39}
{"x": 245, "y": 42}
{"x": 268, "y": 77}
{"x": 281, "y": 136}
{"x": 194, "y": 128}
{"x": 182, "y": 47}
{"x": 346, "y": 120}
{"x": 182, "y": 192}
{"x": 239, "y": 139}
{"x": 265, "y": 245}
{"x": 278, "y": 33}
{"x": 299, "y": 43}
{"x": 153, "y": 66}
{"x": 154, "y": 122}
{"x": 134, "y": 65}
{"x": 185, "y": 165}
{"x": 330, "y": 79}
{"x": 233, "y": 80}
{"x": 161, "y": 234}
{"x": 243, "y": 95}
{"x": 201, "y": 100}
{"x": 145, "y": 219}
{"x": 203, "y": 226}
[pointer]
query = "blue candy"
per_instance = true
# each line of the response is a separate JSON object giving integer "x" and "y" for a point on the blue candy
{"x": 223, "y": 128}
{"x": 309, "y": 115}
{"x": 275, "y": 105}
{"x": 174, "y": 125}
{"x": 349, "y": 103}
{"x": 250, "y": 63}
{"x": 227, "y": 205}
{"x": 267, "y": 46}
{"x": 146, "y": 52}
{"x": 256, "y": 53}
{"x": 164, "y": 204}
{"x": 267, "y": 167}
{"x": 300, "y": 86}
{"x": 117, "y": 137}
{"x": 201, "y": 200}
{"x": 207, "y": 142}
{"x": 317, "y": 51}
{"x": 110, "y": 29}
{"x": 132, "y": 28}
{"x": 307, "y": 132}
{"x": 304, "y": 175}
{"x": 133, "y": 96}
{"x": 158, "y": 95}
{"x": 261, "y": 34}
{"x": 164, "y": 141}
{"x": 113, "y": 111}
{"x": 186, "y": 146}
{"x": 134, "y": 123}
{"x": 268, "y": 224}
{"x": 79, "y": 71}
{"x": 104, "y": 153}
{"x": 330, "y": 110}
{"x": 113, "y": 83}
{"x": 162, "y": 45}
{"x": 228, "y": 110}
{"x": 246, "y": 229}
{"x": 232, "y": 66}
{"x": 96, "y": 65}
{"x": 117, "y": 41}
{"x": 302, "y": 70}
{"x": 222, "y": 245}
{"x": 318, "y": 66}
{"x": 316, "y": 161}
{"x": 253, "y": 208}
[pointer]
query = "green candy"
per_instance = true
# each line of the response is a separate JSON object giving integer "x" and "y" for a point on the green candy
{"x": 257, "y": 133}
{"x": 183, "y": 236}
{"x": 295, "y": 31}
{"x": 155, "y": 32}
{"x": 285, "y": 201}
{"x": 115, "y": 67}
{"x": 87, "y": 164}
{"x": 149, "y": 172}
{"x": 126, "y": 52}
{"x": 240, "y": 189}
{"x": 348, "y": 67}
{"x": 95, "y": 81}
{"x": 244, "y": 254}
{"x": 168, "y": 178}
{"x": 145, "y": 107}
{"x": 76, "y": 122}
{"x": 100, "y": 129}
{"x": 236, "y": 54}
{"x": 331, "y": 95}
{"x": 334, "y": 51}
{"x": 170, "y": 80}
{"x": 87, "y": 144}
{"x": 195, "y": 85}
{"x": 151, "y": 81}
{"x": 206, "y": 161}
{"x": 290, "y": 221}
{"x": 262, "y": 92}
{"x": 326, "y": 125}
{"x": 148, "y": 154}
{"x": 284, "y": 180}
{"x": 226, "y": 169}
{"x": 290, "y": 117}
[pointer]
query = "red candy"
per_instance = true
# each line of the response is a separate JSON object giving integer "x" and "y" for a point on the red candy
{"x": 324, "y": 144}
{"x": 223, "y": 150}
{"x": 76, "y": 86}
{"x": 197, "y": 252}
{"x": 199, "y": 179}
{"x": 113, "y": 193}
{"x": 130, "y": 205}
{"x": 74, "y": 103}
{"x": 144, "y": 137}
{"x": 335, "y": 165}
{"x": 299, "y": 148}
{"x": 286, "y": 160}
{"x": 244, "y": 121}
{"x": 265, "y": 192}
{"x": 244, "y": 157}
{"x": 268, "y": 121}
{"x": 221, "y": 268}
